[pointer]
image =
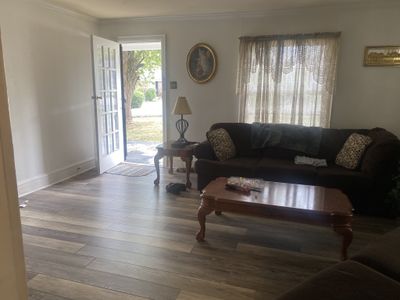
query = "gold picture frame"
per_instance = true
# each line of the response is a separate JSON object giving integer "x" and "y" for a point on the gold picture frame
{"x": 382, "y": 56}
{"x": 201, "y": 63}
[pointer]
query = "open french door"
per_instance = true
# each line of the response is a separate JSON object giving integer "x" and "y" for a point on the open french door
{"x": 108, "y": 102}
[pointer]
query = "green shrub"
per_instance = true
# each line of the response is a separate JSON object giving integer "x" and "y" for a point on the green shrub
{"x": 137, "y": 99}
{"x": 150, "y": 94}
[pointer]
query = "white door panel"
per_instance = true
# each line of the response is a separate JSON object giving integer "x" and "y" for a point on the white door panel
{"x": 108, "y": 102}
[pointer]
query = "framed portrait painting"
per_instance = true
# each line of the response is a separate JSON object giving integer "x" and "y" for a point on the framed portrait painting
{"x": 201, "y": 63}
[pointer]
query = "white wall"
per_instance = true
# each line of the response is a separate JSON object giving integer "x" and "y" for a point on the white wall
{"x": 49, "y": 79}
{"x": 365, "y": 97}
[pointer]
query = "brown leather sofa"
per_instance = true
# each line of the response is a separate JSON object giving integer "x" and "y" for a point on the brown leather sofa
{"x": 366, "y": 186}
{"x": 372, "y": 274}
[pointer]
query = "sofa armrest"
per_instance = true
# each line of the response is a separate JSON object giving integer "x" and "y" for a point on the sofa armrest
{"x": 382, "y": 255}
{"x": 381, "y": 159}
{"x": 204, "y": 151}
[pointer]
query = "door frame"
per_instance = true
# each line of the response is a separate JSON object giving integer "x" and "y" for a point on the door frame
{"x": 154, "y": 38}
{"x": 12, "y": 254}
{"x": 125, "y": 135}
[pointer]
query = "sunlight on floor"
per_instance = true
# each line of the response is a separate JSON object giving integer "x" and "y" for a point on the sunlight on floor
{"x": 141, "y": 152}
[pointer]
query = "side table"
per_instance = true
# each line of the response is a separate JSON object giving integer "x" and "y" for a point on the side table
{"x": 185, "y": 153}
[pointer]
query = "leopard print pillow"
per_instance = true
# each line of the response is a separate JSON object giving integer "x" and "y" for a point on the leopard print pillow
{"x": 352, "y": 150}
{"x": 222, "y": 144}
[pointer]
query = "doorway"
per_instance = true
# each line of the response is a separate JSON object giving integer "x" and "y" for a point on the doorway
{"x": 144, "y": 91}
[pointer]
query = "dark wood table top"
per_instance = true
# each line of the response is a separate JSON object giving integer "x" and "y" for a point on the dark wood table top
{"x": 169, "y": 146}
{"x": 283, "y": 195}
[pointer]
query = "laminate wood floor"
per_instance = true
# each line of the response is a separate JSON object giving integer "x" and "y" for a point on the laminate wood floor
{"x": 115, "y": 237}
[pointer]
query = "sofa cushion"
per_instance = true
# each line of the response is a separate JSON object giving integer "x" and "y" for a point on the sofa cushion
{"x": 240, "y": 134}
{"x": 280, "y": 153}
{"x": 284, "y": 170}
{"x": 222, "y": 144}
{"x": 241, "y": 166}
{"x": 352, "y": 151}
{"x": 338, "y": 177}
{"x": 383, "y": 255}
{"x": 332, "y": 141}
{"x": 347, "y": 280}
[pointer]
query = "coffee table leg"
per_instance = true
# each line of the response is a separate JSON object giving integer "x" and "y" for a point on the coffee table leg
{"x": 205, "y": 209}
{"x": 347, "y": 235}
{"x": 157, "y": 158}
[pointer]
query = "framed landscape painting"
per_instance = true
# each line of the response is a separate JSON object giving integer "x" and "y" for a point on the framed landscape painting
{"x": 201, "y": 63}
{"x": 382, "y": 56}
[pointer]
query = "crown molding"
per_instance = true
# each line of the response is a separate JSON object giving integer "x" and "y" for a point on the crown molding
{"x": 255, "y": 14}
{"x": 223, "y": 15}
{"x": 65, "y": 11}
{"x": 191, "y": 17}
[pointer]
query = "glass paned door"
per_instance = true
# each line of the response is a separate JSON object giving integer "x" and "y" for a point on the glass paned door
{"x": 108, "y": 103}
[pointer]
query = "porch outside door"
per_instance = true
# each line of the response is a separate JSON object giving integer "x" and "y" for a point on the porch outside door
{"x": 108, "y": 102}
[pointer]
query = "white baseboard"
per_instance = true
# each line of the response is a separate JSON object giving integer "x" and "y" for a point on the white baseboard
{"x": 37, "y": 183}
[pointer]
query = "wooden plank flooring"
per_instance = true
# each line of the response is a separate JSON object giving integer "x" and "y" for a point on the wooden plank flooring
{"x": 115, "y": 237}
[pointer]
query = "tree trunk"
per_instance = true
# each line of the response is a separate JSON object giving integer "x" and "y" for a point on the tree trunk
{"x": 129, "y": 91}
{"x": 131, "y": 64}
{"x": 128, "y": 110}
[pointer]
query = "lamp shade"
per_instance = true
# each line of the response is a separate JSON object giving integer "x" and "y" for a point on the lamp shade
{"x": 182, "y": 107}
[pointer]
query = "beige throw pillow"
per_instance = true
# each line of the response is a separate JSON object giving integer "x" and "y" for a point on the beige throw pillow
{"x": 222, "y": 144}
{"x": 352, "y": 151}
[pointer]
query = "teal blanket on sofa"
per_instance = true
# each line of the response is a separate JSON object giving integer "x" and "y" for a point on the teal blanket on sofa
{"x": 292, "y": 137}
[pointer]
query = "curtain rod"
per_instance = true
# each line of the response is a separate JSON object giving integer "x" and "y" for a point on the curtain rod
{"x": 291, "y": 36}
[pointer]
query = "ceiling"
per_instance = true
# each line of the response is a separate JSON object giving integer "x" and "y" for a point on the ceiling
{"x": 105, "y": 9}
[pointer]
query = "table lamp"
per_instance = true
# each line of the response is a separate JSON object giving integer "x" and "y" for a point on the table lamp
{"x": 181, "y": 108}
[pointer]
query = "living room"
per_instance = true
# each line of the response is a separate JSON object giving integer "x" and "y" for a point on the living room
{"x": 47, "y": 57}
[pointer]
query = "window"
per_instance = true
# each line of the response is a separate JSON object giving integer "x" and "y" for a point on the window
{"x": 287, "y": 79}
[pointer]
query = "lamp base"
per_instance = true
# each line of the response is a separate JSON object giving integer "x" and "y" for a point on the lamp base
{"x": 181, "y": 125}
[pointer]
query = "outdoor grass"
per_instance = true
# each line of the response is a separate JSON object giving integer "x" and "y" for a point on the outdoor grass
{"x": 147, "y": 129}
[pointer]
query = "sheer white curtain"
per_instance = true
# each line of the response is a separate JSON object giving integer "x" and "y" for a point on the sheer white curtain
{"x": 287, "y": 79}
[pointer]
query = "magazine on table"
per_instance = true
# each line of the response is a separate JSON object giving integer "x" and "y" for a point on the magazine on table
{"x": 245, "y": 185}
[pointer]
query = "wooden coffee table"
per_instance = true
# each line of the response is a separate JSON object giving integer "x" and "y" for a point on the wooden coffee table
{"x": 283, "y": 201}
